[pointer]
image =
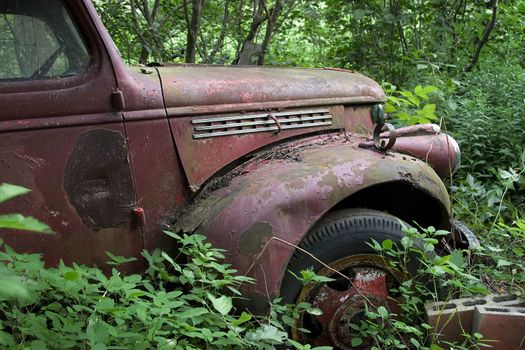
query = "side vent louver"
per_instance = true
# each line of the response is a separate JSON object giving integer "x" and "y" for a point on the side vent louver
{"x": 264, "y": 122}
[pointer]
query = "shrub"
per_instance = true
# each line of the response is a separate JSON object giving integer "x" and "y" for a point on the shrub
{"x": 487, "y": 117}
{"x": 445, "y": 276}
{"x": 178, "y": 303}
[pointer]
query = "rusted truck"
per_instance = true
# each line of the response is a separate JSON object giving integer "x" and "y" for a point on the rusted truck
{"x": 268, "y": 163}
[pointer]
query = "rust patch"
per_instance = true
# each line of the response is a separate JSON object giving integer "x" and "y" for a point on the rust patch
{"x": 221, "y": 182}
{"x": 30, "y": 162}
{"x": 253, "y": 239}
{"x": 291, "y": 154}
{"x": 98, "y": 179}
{"x": 406, "y": 177}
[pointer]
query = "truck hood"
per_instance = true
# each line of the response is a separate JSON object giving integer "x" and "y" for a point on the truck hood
{"x": 197, "y": 89}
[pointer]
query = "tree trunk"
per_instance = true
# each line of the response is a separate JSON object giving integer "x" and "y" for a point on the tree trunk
{"x": 258, "y": 18}
{"x": 150, "y": 41}
{"x": 275, "y": 13}
{"x": 193, "y": 28}
{"x": 222, "y": 35}
{"x": 485, "y": 38}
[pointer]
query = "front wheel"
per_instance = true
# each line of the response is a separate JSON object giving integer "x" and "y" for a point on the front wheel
{"x": 341, "y": 242}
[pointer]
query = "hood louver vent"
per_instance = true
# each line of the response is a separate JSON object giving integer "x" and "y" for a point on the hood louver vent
{"x": 264, "y": 122}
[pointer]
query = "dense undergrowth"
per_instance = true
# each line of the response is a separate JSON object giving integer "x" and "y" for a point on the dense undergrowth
{"x": 484, "y": 112}
{"x": 184, "y": 302}
{"x": 489, "y": 190}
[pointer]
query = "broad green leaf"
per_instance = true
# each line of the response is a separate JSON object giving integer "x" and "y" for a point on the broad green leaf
{"x": 438, "y": 270}
{"x": 268, "y": 333}
{"x": 415, "y": 343}
{"x": 223, "y": 304}
{"x": 406, "y": 94}
{"x": 387, "y": 244}
{"x": 356, "y": 342}
{"x": 429, "y": 247}
{"x": 12, "y": 286}
{"x": 172, "y": 235}
{"x": 105, "y": 303}
{"x": 416, "y": 101}
{"x": 382, "y": 311}
{"x": 389, "y": 108}
{"x": 429, "y": 108}
{"x": 420, "y": 92}
{"x": 8, "y": 191}
{"x": 428, "y": 111}
{"x": 503, "y": 262}
{"x": 70, "y": 275}
{"x": 314, "y": 311}
{"x": 118, "y": 260}
{"x": 244, "y": 317}
{"x": 478, "y": 288}
{"x": 19, "y": 222}
{"x": 297, "y": 345}
{"x": 403, "y": 116}
{"x": 406, "y": 242}
{"x": 430, "y": 89}
{"x": 354, "y": 327}
{"x": 309, "y": 275}
{"x": 456, "y": 258}
{"x": 189, "y": 274}
{"x": 193, "y": 312}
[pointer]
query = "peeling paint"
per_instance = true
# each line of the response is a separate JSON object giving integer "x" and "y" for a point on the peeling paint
{"x": 296, "y": 195}
{"x": 253, "y": 239}
{"x": 98, "y": 180}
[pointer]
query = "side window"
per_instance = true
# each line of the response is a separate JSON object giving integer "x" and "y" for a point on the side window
{"x": 39, "y": 41}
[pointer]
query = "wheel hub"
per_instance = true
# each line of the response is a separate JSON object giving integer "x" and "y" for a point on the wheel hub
{"x": 351, "y": 312}
{"x": 344, "y": 301}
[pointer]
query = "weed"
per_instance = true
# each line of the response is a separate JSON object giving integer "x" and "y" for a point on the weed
{"x": 183, "y": 302}
{"x": 440, "y": 277}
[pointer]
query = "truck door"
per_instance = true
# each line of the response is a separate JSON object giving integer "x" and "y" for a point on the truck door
{"x": 61, "y": 134}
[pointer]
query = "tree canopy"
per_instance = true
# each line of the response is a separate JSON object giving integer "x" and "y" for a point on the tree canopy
{"x": 391, "y": 40}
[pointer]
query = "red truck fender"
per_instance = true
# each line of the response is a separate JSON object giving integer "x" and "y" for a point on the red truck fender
{"x": 283, "y": 192}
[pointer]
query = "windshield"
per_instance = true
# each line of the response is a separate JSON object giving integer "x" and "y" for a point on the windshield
{"x": 39, "y": 41}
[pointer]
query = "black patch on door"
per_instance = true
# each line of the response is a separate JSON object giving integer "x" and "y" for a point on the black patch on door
{"x": 98, "y": 179}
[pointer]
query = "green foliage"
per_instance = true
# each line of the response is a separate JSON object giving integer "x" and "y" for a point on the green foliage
{"x": 396, "y": 41}
{"x": 20, "y": 222}
{"x": 12, "y": 285}
{"x": 497, "y": 265}
{"x": 439, "y": 277}
{"x": 489, "y": 121}
{"x": 183, "y": 302}
{"x": 8, "y": 192}
{"x": 155, "y": 33}
{"x": 17, "y": 221}
{"x": 496, "y": 211}
{"x": 412, "y": 107}
{"x": 309, "y": 276}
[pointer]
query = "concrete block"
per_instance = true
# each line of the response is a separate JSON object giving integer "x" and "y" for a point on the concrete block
{"x": 449, "y": 320}
{"x": 504, "y": 325}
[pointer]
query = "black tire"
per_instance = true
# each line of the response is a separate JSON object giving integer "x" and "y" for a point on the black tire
{"x": 341, "y": 241}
